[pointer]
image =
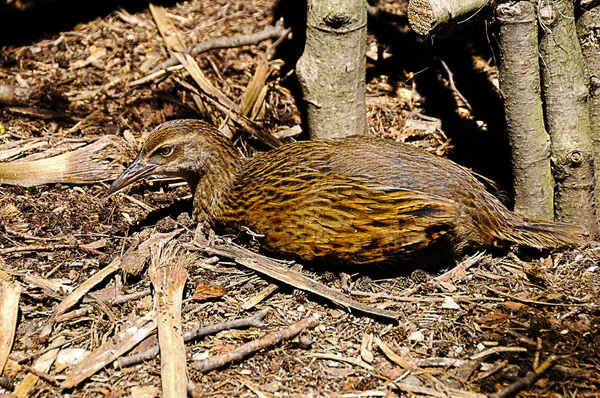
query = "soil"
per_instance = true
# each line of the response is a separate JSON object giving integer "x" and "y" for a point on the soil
{"x": 478, "y": 331}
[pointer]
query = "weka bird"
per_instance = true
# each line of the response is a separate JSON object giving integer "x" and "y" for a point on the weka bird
{"x": 358, "y": 200}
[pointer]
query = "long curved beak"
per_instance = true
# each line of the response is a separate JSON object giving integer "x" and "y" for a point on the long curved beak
{"x": 136, "y": 171}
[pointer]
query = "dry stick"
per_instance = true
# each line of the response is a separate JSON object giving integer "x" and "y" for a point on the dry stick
{"x": 266, "y": 292}
{"x": 567, "y": 118}
{"x": 253, "y": 320}
{"x": 522, "y": 300}
{"x": 270, "y": 32}
{"x": 496, "y": 350}
{"x": 25, "y": 236}
{"x": 267, "y": 266}
{"x": 453, "y": 86}
{"x": 42, "y": 375}
{"x": 49, "y": 248}
{"x": 267, "y": 340}
{"x": 528, "y": 380}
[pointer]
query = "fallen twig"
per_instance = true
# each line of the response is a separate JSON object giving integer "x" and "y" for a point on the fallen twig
{"x": 267, "y": 340}
{"x": 526, "y": 301}
{"x": 496, "y": 350}
{"x": 271, "y": 268}
{"x": 527, "y": 381}
{"x": 49, "y": 248}
{"x": 253, "y": 320}
{"x": 270, "y": 32}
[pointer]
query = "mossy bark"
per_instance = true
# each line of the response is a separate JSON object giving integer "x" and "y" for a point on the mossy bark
{"x": 332, "y": 68}
{"x": 520, "y": 84}
{"x": 565, "y": 95}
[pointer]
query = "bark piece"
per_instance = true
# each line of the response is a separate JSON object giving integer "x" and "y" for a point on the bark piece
{"x": 332, "y": 68}
{"x": 520, "y": 84}
{"x": 426, "y": 15}
{"x": 567, "y": 115}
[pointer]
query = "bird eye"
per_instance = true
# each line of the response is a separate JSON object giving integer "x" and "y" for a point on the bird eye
{"x": 166, "y": 151}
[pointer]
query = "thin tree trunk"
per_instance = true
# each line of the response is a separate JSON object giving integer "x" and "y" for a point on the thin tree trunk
{"x": 520, "y": 85}
{"x": 567, "y": 115}
{"x": 332, "y": 68}
{"x": 588, "y": 27}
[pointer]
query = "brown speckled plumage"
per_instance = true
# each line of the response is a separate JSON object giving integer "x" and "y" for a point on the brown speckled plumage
{"x": 360, "y": 200}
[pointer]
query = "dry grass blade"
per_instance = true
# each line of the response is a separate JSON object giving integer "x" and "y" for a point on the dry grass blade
{"x": 10, "y": 292}
{"x": 166, "y": 28}
{"x": 42, "y": 364}
{"x": 124, "y": 341}
{"x": 274, "y": 270}
{"x": 168, "y": 275}
{"x": 83, "y": 166}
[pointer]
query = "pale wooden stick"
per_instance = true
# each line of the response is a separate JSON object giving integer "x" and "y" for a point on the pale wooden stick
{"x": 10, "y": 292}
{"x": 168, "y": 275}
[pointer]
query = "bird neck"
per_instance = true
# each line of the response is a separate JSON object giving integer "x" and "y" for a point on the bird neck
{"x": 213, "y": 185}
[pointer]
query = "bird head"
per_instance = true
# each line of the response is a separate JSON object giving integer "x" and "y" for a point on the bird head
{"x": 179, "y": 148}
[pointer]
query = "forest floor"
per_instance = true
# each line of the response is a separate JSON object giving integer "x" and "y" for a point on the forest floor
{"x": 471, "y": 333}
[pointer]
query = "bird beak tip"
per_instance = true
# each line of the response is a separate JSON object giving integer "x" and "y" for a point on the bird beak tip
{"x": 136, "y": 171}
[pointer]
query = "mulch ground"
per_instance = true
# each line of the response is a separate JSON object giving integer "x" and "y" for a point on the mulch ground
{"x": 475, "y": 331}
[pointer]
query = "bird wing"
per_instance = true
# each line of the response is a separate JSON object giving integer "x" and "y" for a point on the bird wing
{"x": 349, "y": 218}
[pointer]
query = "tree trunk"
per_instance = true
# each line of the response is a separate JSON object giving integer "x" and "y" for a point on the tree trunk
{"x": 332, "y": 68}
{"x": 520, "y": 84}
{"x": 588, "y": 27}
{"x": 567, "y": 115}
